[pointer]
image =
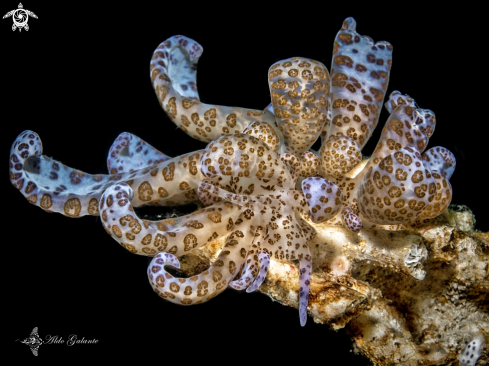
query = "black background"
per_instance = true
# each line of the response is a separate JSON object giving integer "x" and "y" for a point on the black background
{"x": 80, "y": 76}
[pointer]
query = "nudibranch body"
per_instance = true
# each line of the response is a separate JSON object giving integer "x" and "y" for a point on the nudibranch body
{"x": 258, "y": 181}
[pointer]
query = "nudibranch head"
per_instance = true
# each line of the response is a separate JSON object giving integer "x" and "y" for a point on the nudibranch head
{"x": 258, "y": 182}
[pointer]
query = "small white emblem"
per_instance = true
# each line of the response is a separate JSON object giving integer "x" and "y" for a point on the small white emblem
{"x": 34, "y": 341}
{"x": 20, "y": 17}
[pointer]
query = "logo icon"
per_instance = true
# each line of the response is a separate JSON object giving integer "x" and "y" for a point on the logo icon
{"x": 33, "y": 341}
{"x": 20, "y": 17}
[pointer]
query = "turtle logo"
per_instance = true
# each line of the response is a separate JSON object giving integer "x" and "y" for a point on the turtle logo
{"x": 33, "y": 341}
{"x": 20, "y": 17}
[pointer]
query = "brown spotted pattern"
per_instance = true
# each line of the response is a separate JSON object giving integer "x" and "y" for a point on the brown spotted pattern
{"x": 176, "y": 235}
{"x": 309, "y": 164}
{"x": 357, "y": 62}
{"x": 58, "y": 188}
{"x": 299, "y": 89}
{"x": 397, "y": 190}
{"x": 402, "y": 128}
{"x": 441, "y": 200}
{"x": 179, "y": 98}
{"x": 293, "y": 164}
{"x": 264, "y": 132}
{"x": 440, "y": 160}
{"x": 49, "y": 184}
{"x": 203, "y": 287}
{"x": 359, "y": 77}
{"x": 351, "y": 220}
{"x": 426, "y": 124}
{"x": 248, "y": 174}
{"x": 273, "y": 221}
{"x": 244, "y": 156}
{"x": 129, "y": 153}
{"x": 323, "y": 197}
{"x": 339, "y": 154}
{"x": 276, "y": 214}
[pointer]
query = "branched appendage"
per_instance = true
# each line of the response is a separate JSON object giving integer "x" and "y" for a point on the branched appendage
{"x": 208, "y": 284}
{"x": 173, "y": 74}
{"x": 55, "y": 187}
{"x": 176, "y": 236}
{"x": 264, "y": 191}
{"x": 277, "y": 234}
